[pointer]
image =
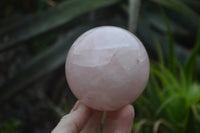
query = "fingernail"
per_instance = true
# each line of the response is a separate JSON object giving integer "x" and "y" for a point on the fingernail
{"x": 116, "y": 131}
{"x": 81, "y": 107}
{"x": 75, "y": 106}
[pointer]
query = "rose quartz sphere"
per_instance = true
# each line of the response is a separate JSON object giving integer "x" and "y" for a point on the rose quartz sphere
{"x": 107, "y": 67}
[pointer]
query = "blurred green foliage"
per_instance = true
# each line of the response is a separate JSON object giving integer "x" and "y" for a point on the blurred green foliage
{"x": 10, "y": 126}
{"x": 36, "y": 35}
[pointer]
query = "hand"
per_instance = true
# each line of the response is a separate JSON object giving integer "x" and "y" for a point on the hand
{"x": 82, "y": 119}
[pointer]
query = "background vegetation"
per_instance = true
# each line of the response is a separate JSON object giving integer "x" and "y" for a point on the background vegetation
{"x": 36, "y": 35}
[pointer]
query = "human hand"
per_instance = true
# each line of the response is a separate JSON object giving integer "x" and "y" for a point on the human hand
{"x": 83, "y": 119}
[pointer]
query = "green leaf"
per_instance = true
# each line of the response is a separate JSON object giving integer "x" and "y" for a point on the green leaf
{"x": 190, "y": 65}
{"x": 10, "y": 126}
{"x": 42, "y": 64}
{"x": 47, "y": 20}
{"x": 166, "y": 77}
{"x": 171, "y": 59}
{"x": 183, "y": 79}
{"x": 167, "y": 102}
{"x": 159, "y": 51}
{"x": 179, "y": 7}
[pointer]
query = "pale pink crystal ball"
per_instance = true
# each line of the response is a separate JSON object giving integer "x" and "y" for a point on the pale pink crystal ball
{"x": 107, "y": 67}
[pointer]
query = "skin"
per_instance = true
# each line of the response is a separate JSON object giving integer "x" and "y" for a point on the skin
{"x": 83, "y": 119}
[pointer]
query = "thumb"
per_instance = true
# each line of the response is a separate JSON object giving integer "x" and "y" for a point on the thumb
{"x": 74, "y": 121}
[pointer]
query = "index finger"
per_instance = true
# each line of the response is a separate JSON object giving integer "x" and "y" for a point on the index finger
{"x": 119, "y": 121}
{"x": 74, "y": 121}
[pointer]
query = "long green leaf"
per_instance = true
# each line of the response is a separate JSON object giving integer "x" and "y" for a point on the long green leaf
{"x": 190, "y": 65}
{"x": 42, "y": 64}
{"x": 171, "y": 58}
{"x": 53, "y": 17}
{"x": 179, "y": 7}
{"x": 159, "y": 51}
{"x": 166, "y": 77}
{"x": 145, "y": 32}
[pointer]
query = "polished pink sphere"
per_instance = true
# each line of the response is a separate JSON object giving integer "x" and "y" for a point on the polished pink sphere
{"x": 107, "y": 67}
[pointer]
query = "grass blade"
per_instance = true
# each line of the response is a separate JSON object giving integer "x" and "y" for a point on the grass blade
{"x": 42, "y": 64}
{"x": 52, "y": 18}
{"x": 180, "y": 7}
{"x": 190, "y": 65}
{"x": 171, "y": 57}
{"x": 159, "y": 51}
